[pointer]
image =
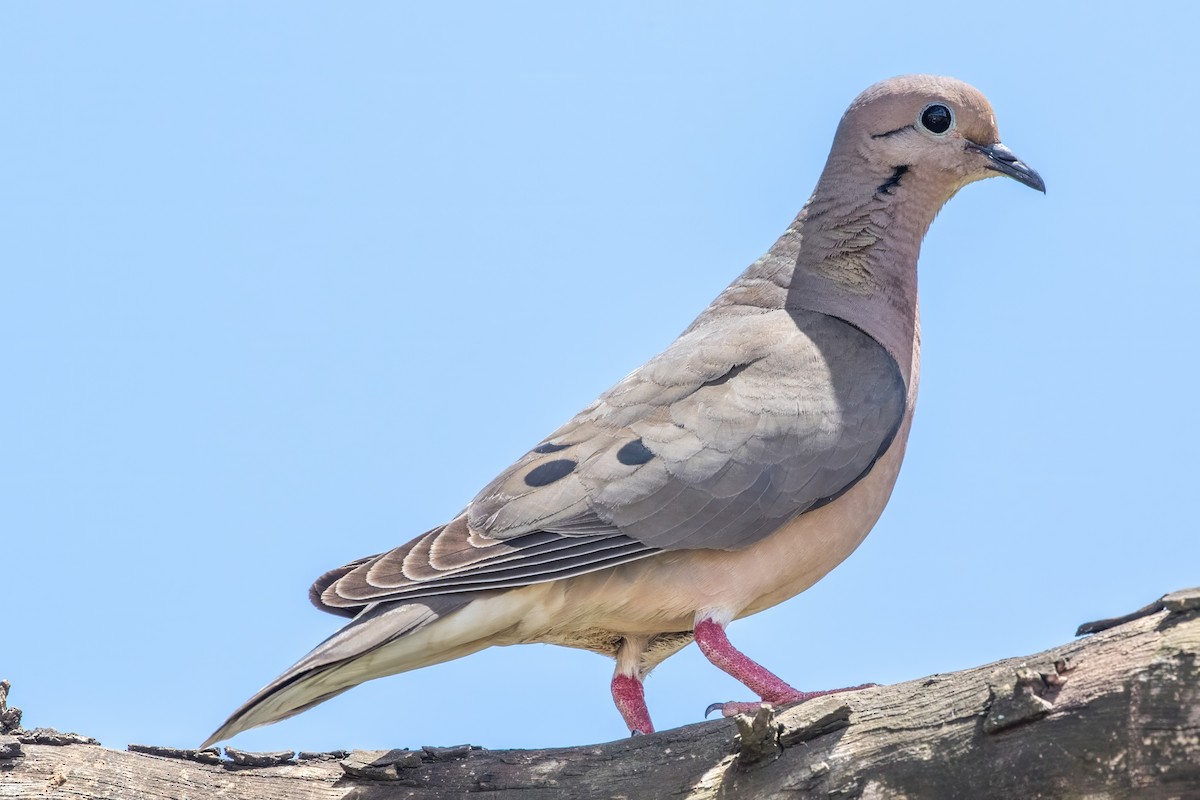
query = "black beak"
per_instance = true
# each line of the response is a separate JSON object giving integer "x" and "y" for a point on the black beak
{"x": 1005, "y": 161}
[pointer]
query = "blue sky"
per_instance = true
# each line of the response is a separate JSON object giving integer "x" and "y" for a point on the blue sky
{"x": 286, "y": 283}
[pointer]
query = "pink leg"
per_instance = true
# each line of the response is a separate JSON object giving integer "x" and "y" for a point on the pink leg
{"x": 770, "y": 687}
{"x": 630, "y": 697}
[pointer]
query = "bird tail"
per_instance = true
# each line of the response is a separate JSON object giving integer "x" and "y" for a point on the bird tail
{"x": 383, "y": 640}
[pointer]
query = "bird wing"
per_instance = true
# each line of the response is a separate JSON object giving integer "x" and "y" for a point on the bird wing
{"x": 740, "y": 425}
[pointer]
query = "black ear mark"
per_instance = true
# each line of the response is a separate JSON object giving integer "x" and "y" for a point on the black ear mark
{"x": 888, "y": 186}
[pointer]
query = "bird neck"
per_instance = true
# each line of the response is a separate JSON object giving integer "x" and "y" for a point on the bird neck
{"x": 853, "y": 257}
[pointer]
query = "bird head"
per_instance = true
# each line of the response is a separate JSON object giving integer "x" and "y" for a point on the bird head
{"x": 923, "y": 129}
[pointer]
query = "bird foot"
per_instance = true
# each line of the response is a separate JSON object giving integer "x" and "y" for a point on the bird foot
{"x": 711, "y": 638}
{"x": 735, "y": 707}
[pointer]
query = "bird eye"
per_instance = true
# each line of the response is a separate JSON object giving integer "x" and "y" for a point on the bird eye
{"x": 937, "y": 118}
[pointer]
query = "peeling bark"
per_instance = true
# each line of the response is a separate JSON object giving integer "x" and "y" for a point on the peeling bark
{"x": 1115, "y": 715}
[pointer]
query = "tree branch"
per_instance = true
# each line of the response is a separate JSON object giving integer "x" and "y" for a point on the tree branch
{"x": 1115, "y": 715}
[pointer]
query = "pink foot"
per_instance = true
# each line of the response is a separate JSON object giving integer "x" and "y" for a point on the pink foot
{"x": 773, "y": 690}
{"x": 630, "y": 697}
{"x": 735, "y": 707}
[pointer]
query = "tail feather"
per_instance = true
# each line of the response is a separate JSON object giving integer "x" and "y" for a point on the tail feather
{"x": 352, "y": 655}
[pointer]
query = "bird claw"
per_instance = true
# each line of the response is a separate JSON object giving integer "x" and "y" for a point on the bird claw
{"x": 735, "y": 707}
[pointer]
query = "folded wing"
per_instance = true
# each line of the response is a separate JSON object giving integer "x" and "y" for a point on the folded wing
{"x": 733, "y": 430}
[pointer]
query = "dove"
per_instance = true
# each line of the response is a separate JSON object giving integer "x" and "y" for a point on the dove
{"x": 727, "y": 474}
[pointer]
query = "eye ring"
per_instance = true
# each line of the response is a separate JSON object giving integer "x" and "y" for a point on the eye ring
{"x": 937, "y": 118}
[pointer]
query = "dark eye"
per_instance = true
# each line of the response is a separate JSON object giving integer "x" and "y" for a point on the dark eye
{"x": 936, "y": 118}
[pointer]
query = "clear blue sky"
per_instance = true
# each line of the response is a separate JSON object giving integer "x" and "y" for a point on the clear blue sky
{"x": 284, "y": 284}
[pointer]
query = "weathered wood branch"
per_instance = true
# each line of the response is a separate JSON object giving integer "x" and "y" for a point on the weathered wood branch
{"x": 1115, "y": 715}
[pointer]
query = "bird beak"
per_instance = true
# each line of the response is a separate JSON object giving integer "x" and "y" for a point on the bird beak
{"x": 1001, "y": 159}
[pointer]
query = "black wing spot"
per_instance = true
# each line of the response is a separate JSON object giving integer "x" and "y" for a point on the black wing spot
{"x": 548, "y": 473}
{"x": 634, "y": 453}
{"x": 891, "y": 183}
{"x": 550, "y": 447}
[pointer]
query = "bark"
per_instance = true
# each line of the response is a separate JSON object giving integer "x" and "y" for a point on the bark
{"x": 1114, "y": 715}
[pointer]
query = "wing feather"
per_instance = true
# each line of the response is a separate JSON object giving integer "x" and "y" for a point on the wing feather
{"x": 730, "y": 432}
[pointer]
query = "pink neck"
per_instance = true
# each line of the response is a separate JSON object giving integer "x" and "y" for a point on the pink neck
{"x": 852, "y": 257}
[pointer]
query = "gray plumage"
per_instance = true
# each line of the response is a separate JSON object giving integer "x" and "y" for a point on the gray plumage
{"x": 724, "y": 475}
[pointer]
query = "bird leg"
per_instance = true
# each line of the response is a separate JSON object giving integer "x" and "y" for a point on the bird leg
{"x": 630, "y": 697}
{"x": 627, "y": 690}
{"x": 711, "y": 638}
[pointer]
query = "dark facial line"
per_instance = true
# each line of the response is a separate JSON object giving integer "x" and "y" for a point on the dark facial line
{"x": 891, "y": 133}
